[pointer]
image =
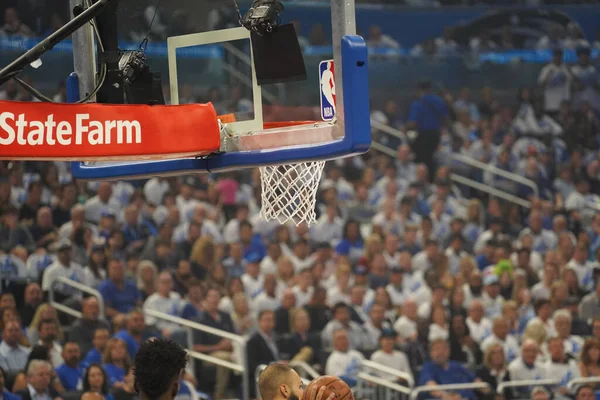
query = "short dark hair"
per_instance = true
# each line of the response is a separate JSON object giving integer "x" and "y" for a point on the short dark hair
{"x": 270, "y": 379}
{"x": 339, "y": 306}
{"x": 540, "y": 303}
{"x": 158, "y": 363}
{"x": 263, "y": 312}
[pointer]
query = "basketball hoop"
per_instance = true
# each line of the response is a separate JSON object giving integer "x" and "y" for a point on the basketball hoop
{"x": 289, "y": 192}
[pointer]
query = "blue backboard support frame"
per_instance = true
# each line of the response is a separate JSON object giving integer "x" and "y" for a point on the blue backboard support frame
{"x": 353, "y": 121}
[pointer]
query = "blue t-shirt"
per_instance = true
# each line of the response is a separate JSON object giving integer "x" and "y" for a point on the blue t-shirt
{"x": 70, "y": 377}
{"x": 121, "y": 300}
{"x": 428, "y": 112}
{"x": 115, "y": 374}
{"x": 6, "y": 395}
{"x": 132, "y": 345}
{"x": 455, "y": 373}
{"x": 92, "y": 357}
{"x": 189, "y": 312}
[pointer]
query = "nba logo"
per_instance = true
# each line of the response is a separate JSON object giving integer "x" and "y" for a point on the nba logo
{"x": 327, "y": 82}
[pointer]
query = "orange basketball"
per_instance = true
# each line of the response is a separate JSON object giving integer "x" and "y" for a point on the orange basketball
{"x": 333, "y": 384}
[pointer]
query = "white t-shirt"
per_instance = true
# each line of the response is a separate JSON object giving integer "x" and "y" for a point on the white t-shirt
{"x": 265, "y": 302}
{"x": 94, "y": 208}
{"x": 520, "y": 372}
{"x": 558, "y": 86}
{"x": 510, "y": 346}
{"x": 302, "y": 298}
{"x": 252, "y": 286}
{"x": 397, "y": 296}
{"x": 169, "y": 305}
{"x": 479, "y": 331}
{"x": 563, "y": 372}
{"x": 344, "y": 364}
{"x": 584, "y": 273}
{"x": 396, "y": 360}
{"x": 405, "y": 327}
{"x": 56, "y": 270}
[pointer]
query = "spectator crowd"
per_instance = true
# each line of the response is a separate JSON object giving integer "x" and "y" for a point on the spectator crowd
{"x": 404, "y": 267}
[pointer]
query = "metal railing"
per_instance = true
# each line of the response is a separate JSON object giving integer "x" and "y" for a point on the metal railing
{"x": 531, "y": 382}
{"x": 582, "y": 381}
{"x": 307, "y": 369}
{"x": 75, "y": 285}
{"x": 440, "y": 388}
{"x": 390, "y": 371}
{"x": 374, "y": 387}
{"x": 496, "y": 171}
{"x": 190, "y": 326}
{"x": 397, "y": 133}
{"x": 490, "y": 190}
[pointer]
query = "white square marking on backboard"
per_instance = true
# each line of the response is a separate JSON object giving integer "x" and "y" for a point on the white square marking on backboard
{"x": 214, "y": 37}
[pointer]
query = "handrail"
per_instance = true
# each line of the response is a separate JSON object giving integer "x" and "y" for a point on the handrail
{"x": 392, "y": 371}
{"x": 490, "y": 190}
{"x": 457, "y": 386}
{"x": 496, "y": 171}
{"x": 382, "y": 149}
{"x": 382, "y": 382}
{"x": 530, "y": 382}
{"x": 310, "y": 371}
{"x": 78, "y": 286}
{"x": 190, "y": 325}
{"x": 579, "y": 381}
{"x": 397, "y": 133}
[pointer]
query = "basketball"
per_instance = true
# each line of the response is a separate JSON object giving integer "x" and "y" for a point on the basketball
{"x": 334, "y": 385}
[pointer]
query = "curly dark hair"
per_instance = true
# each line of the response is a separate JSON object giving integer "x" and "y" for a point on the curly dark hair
{"x": 158, "y": 363}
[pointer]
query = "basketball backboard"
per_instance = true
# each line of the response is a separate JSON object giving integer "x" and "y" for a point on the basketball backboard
{"x": 274, "y": 124}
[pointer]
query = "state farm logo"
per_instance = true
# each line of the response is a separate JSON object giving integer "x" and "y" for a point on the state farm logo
{"x": 50, "y": 132}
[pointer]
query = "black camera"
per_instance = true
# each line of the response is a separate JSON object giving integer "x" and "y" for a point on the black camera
{"x": 263, "y": 16}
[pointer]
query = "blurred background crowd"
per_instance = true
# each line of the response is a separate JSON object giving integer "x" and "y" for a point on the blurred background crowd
{"x": 408, "y": 265}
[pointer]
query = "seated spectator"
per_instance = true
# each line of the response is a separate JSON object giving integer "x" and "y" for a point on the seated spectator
{"x": 584, "y": 392}
{"x": 102, "y": 202}
{"x": 48, "y": 329}
{"x": 501, "y": 335}
{"x": 167, "y": 301}
{"x": 341, "y": 320}
{"x": 120, "y": 294}
{"x": 252, "y": 279}
{"x": 494, "y": 370}
{"x": 33, "y": 203}
{"x": 43, "y": 231}
{"x": 135, "y": 332}
{"x": 390, "y": 357}
{"x": 242, "y": 317}
{"x": 406, "y": 325}
{"x": 63, "y": 267}
{"x": 377, "y": 39}
{"x": 5, "y": 394}
{"x": 71, "y": 372}
{"x": 463, "y": 348}
{"x": 13, "y": 232}
{"x": 375, "y": 324}
{"x": 195, "y": 301}
{"x": 352, "y": 245}
{"x": 83, "y": 330}
{"x": 343, "y": 361}
{"x": 317, "y": 310}
{"x": 261, "y": 346}
{"x": 562, "y": 323}
{"x": 13, "y": 356}
{"x": 560, "y": 366}
{"x": 301, "y": 344}
{"x": 99, "y": 341}
{"x": 147, "y": 275}
{"x": 31, "y": 301}
{"x": 589, "y": 365}
{"x": 96, "y": 380}
{"x": 540, "y": 393}
{"x": 284, "y": 312}
{"x": 211, "y": 344}
{"x": 39, "y": 376}
{"x": 61, "y": 211}
{"x": 479, "y": 326}
{"x": 527, "y": 367}
{"x": 45, "y": 311}
{"x": 441, "y": 371}
{"x": 116, "y": 362}
{"x": 582, "y": 266}
{"x": 543, "y": 310}
{"x": 268, "y": 298}
{"x": 95, "y": 271}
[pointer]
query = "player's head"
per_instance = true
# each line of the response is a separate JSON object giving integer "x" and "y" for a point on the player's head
{"x": 279, "y": 381}
{"x": 158, "y": 367}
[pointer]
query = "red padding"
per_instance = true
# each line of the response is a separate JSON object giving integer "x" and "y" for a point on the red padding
{"x": 106, "y": 132}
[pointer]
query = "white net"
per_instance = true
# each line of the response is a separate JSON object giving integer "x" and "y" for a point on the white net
{"x": 289, "y": 192}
